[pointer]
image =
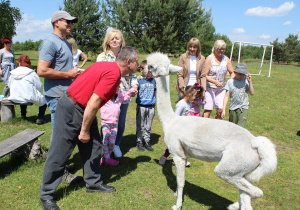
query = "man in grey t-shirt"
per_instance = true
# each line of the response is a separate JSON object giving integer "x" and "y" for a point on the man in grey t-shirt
{"x": 56, "y": 60}
{"x": 55, "y": 64}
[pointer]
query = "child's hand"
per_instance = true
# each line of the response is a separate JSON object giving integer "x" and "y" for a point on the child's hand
{"x": 223, "y": 114}
{"x": 135, "y": 91}
{"x": 249, "y": 78}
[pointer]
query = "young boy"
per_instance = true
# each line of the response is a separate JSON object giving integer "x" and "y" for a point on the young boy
{"x": 145, "y": 108}
{"x": 237, "y": 89}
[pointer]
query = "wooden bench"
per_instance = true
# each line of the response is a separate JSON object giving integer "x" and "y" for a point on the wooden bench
{"x": 8, "y": 109}
{"x": 15, "y": 143}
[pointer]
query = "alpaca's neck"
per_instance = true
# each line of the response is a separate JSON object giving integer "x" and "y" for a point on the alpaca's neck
{"x": 164, "y": 107}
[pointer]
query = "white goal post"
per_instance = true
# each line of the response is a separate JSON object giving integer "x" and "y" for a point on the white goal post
{"x": 263, "y": 56}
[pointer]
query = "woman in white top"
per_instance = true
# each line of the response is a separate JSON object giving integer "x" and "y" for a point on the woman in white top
{"x": 193, "y": 64}
{"x": 217, "y": 65}
{"x": 26, "y": 87}
{"x": 112, "y": 44}
{"x": 76, "y": 54}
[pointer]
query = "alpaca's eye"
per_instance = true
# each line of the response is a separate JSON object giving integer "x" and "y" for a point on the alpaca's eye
{"x": 150, "y": 67}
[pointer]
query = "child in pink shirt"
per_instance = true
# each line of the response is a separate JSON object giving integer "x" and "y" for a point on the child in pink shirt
{"x": 109, "y": 124}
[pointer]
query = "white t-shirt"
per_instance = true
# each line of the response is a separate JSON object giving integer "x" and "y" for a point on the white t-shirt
{"x": 76, "y": 57}
{"x": 193, "y": 73}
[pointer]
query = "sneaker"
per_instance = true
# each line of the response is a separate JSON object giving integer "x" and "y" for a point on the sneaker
{"x": 117, "y": 151}
{"x": 140, "y": 146}
{"x": 40, "y": 121}
{"x": 162, "y": 160}
{"x": 70, "y": 167}
{"x": 148, "y": 146}
{"x": 49, "y": 204}
{"x": 110, "y": 162}
{"x": 71, "y": 179}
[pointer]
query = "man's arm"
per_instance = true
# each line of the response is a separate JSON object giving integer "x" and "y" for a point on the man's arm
{"x": 44, "y": 70}
{"x": 88, "y": 117}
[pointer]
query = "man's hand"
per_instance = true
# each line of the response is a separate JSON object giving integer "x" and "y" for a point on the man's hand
{"x": 73, "y": 73}
{"x": 84, "y": 137}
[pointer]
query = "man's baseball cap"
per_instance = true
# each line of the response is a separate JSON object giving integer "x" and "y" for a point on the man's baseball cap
{"x": 63, "y": 15}
{"x": 241, "y": 68}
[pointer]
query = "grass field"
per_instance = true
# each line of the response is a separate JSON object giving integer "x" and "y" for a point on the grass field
{"x": 142, "y": 183}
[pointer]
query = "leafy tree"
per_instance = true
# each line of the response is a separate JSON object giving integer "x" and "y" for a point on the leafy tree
{"x": 160, "y": 25}
{"x": 27, "y": 45}
{"x": 9, "y": 18}
{"x": 278, "y": 51}
{"x": 89, "y": 30}
{"x": 297, "y": 59}
{"x": 291, "y": 44}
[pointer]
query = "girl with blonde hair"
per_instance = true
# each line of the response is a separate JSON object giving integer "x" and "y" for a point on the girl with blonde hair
{"x": 112, "y": 44}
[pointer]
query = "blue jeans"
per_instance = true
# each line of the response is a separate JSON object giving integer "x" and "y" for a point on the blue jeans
{"x": 121, "y": 125}
{"x": 51, "y": 103}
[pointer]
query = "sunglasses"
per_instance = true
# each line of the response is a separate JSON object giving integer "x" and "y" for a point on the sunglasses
{"x": 67, "y": 21}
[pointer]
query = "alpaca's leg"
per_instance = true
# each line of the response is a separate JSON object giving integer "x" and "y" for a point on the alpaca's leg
{"x": 245, "y": 201}
{"x": 232, "y": 169}
{"x": 180, "y": 170}
{"x": 234, "y": 206}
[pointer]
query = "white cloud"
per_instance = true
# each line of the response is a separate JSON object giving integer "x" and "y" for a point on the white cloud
{"x": 263, "y": 36}
{"x": 30, "y": 28}
{"x": 239, "y": 31}
{"x": 271, "y": 12}
{"x": 287, "y": 23}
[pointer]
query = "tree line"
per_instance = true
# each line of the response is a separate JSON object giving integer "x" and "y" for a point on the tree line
{"x": 151, "y": 25}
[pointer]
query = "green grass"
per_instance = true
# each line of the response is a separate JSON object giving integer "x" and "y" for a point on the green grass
{"x": 142, "y": 183}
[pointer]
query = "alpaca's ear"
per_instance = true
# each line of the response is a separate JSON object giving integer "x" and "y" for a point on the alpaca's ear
{"x": 174, "y": 69}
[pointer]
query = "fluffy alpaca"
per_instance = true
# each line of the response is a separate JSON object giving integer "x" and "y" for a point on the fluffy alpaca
{"x": 243, "y": 158}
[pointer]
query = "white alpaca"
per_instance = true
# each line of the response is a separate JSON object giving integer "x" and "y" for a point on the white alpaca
{"x": 243, "y": 157}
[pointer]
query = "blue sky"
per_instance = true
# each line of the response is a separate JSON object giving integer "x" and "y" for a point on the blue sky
{"x": 258, "y": 21}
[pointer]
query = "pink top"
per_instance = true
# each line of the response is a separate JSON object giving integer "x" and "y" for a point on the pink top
{"x": 197, "y": 108}
{"x": 110, "y": 112}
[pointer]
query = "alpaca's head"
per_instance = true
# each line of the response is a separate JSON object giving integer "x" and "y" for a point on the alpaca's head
{"x": 159, "y": 64}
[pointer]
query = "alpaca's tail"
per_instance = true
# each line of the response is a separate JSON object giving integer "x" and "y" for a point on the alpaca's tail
{"x": 268, "y": 158}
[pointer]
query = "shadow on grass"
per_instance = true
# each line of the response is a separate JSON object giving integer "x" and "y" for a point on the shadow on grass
{"x": 298, "y": 133}
{"x": 129, "y": 142}
{"x": 123, "y": 169}
{"x": 33, "y": 118}
{"x": 194, "y": 192}
{"x": 126, "y": 166}
{"x": 110, "y": 173}
{"x": 10, "y": 163}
